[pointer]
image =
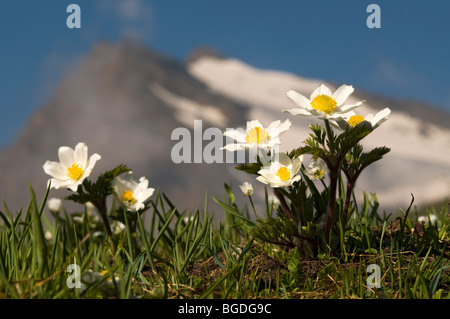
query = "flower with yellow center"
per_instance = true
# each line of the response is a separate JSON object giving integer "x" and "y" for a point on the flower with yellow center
{"x": 130, "y": 192}
{"x": 280, "y": 172}
{"x": 247, "y": 189}
{"x": 73, "y": 167}
{"x": 355, "y": 120}
{"x": 256, "y": 136}
{"x": 322, "y": 102}
{"x": 316, "y": 170}
{"x": 350, "y": 119}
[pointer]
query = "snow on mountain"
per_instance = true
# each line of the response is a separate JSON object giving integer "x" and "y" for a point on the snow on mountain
{"x": 419, "y": 161}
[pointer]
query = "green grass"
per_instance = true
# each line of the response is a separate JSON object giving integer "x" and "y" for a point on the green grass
{"x": 168, "y": 253}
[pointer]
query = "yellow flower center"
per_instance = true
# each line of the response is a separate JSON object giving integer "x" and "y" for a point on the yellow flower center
{"x": 355, "y": 120}
{"x": 75, "y": 172}
{"x": 318, "y": 173}
{"x": 324, "y": 103}
{"x": 128, "y": 196}
{"x": 256, "y": 135}
{"x": 284, "y": 173}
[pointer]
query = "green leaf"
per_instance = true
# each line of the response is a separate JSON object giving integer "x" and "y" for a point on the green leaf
{"x": 250, "y": 168}
{"x": 99, "y": 190}
{"x": 233, "y": 211}
{"x": 351, "y": 137}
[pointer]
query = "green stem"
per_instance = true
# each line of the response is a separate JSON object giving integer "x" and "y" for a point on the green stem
{"x": 253, "y": 206}
{"x": 101, "y": 207}
{"x": 330, "y": 136}
{"x": 331, "y": 203}
{"x": 283, "y": 203}
{"x": 350, "y": 187}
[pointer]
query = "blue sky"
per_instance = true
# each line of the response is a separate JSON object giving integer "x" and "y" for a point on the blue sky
{"x": 408, "y": 57}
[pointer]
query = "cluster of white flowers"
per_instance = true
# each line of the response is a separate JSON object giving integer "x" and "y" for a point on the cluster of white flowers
{"x": 74, "y": 167}
{"x": 280, "y": 170}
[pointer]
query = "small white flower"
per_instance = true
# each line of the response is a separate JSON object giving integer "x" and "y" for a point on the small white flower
{"x": 118, "y": 227}
{"x": 98, "y": 234}
{"x": 322, "y": 102}
{"x": 316, "y": 170}
{"x": 247, "y": 189}
{"x": 54, "y": 204}
{"x": 78, "y": 219}
{"x": 130, "y": 192}
{"x": 280, "y": 172}
{"x": 256, "y": 136}
{"x": 48, "y": 235}
{"x": 73, "y": 167}
{"x": 351, "y": 119}
{"x": 274, "y": 201}
{"x": 425, "y": 220}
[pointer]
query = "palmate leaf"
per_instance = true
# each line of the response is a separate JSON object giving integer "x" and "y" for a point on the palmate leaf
{"x": 357, "y": 160}
{"x": 250, "y": 168}
{"x": 275, "y": 230}
{"x": 351, "y": 137}
{"x": 89, "y": 191}
{"x": 372, "y": 156}
{"x": 320, "y": 134}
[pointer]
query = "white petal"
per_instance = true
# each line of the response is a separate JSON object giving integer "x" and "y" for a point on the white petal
{"x": 380, "y": 117}
{"x": 296, "y": 178}
{"x": 296, "y": 165}
{"x": 283, "y": 127}
{"x": 81, "y": 154}
{"x": 298, "y": 99}
{"x": 74, "y": 186}
{"x": 90, "y": 164}
{"x": 340, "y": 122}
{"x": 57, "y": 183}
{"x": 273, "y": 125}
{"x": 298, "y": 111}
{"x": 252, "y": 124}
{"x": 342, "y": 93}
{"x": 262, "y": 179}
{"x": 284, "y": 159}
{"x": 233, "y": 147}
{"x": 66, "y": 156}
{"x": 56, "y": 170}
{"x": 322, "y": 89}
{"x": 347, "y": 108}
{"x": 237, "y": 135}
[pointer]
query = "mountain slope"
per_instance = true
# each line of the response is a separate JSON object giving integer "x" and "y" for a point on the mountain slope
{"x": 111, "y": 104}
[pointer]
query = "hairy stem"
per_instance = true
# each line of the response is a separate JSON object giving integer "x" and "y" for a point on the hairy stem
{"x": 331, "y": 203}
{"x": 283, "y": 203}
{"x": 348, "y": 195}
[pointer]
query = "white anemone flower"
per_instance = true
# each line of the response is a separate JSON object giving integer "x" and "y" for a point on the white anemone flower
{"x": 280, "y": 172}
{"x": 130, "y": 192}
{"x": 351, "y": 119}
{"x": 274, "y": 201}
{"x": 54, "y": 204}
{"x": 247, "y": 189}
{"x": 424, "y": 219}
{"x": 316, "y": 170}
{"x": 256, "y": 136}
{"x": 322, "y": 102}
{"x": 73, "y": 167}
